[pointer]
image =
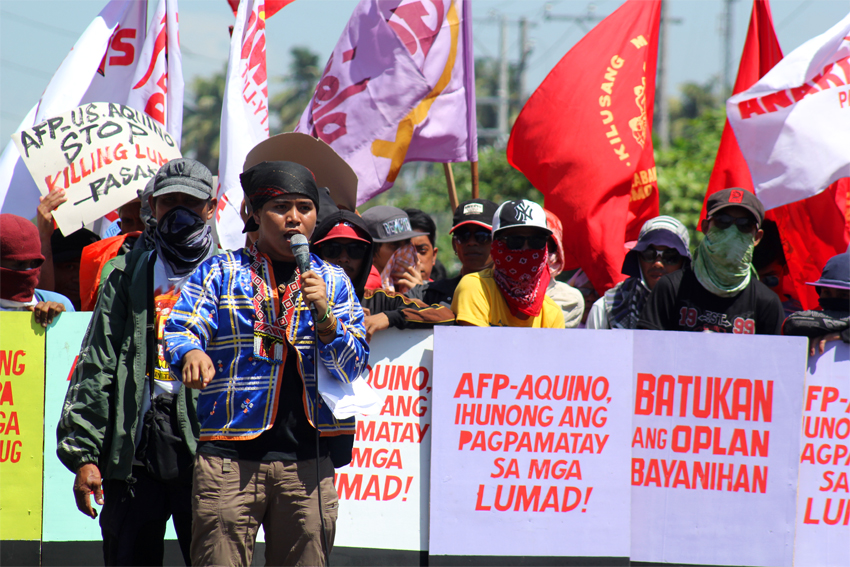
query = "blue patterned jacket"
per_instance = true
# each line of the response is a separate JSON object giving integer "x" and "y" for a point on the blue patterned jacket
{"x": 215, "y": 313}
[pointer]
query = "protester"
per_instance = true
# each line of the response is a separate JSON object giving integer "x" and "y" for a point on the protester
{"x": 20, "y": 268}
{"x": 344, "y": 240}
{"x": 425, "y": 245}
{"x": 513, "y": 292}
{"x": 568, "y": 298}
{"x": 582, "y": 283}
{"x": 260, "y": 458}
{"x": 394, "y": 260}
{"x": 662, "y": 247}
{"x": 67, "y": 251}
{"x": 833, "y": 323}
{"x": 720, "y": 292}
{"x": 105, "y": 418}
{"x": 772, "y": 267}
{"x": 471, "y": 238}
{"x": 130, "y": 217}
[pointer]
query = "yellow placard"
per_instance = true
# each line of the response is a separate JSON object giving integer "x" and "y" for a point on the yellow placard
{"x": 21, "y": 426}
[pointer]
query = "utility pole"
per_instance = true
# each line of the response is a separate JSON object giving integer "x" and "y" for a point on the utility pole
{"x": 502, "y": 100}
{"x": 524, "y": 52}
{"x": 502, "y": 115}
{"x": 727, "y": 48}
{"x": 661, "y": 87}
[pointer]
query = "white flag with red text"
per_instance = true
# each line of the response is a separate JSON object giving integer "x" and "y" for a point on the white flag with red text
{"x": 158, "y": 80}
{"x": 100, "y": 67}
{"x": 793, "y": 125}
{"x": 244, "y": 116}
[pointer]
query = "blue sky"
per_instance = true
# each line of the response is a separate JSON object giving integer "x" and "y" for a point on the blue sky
{"x": 36, "y": 35}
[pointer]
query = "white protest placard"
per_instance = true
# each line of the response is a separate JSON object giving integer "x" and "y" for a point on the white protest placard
{"x": 99, "y": 153}
{"x": 715, "y": 443}
{"x": 823, "y": 497}
{"x": 530, "y": 454}
{"x": 383, "y": 493}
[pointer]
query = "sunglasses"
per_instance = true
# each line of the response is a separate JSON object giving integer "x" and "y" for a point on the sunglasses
{"x": 515, "y": 242}
{"x": 463, "y": 236}
{"x": 668, "y": 257}
{"x": 333, "y": 250}
{"x": 744, "y": 224}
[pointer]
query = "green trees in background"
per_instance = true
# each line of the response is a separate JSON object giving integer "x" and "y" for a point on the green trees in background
{"x": 697, "y": 119}
{"x": 287, "y": 106}
{"x": 202, "y": 119}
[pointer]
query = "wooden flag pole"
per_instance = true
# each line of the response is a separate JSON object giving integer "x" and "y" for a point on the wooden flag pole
{"x": 450, "y": 183}
{"x": 474, "y": 166}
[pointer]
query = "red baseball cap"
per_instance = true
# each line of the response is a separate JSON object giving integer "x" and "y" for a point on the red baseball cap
{"x": 344, "y": 230}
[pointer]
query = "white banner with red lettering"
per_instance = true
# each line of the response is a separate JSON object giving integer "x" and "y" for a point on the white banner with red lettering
{"x": 714, "y": 447}
{"x": 99, "y": 67}
{"x": 531, "y": 454}
{"x": 792, "y": 125}
{"x": 823, "y": 499}
{"x": 244, "y": 116}
{"x": 158, "y": 80}
{"x": 383, "y": 493}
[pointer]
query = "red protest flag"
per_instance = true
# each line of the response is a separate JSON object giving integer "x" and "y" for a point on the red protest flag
{"x": 761, "y": 53}
{"x": 812, "y": 230}
{"x": 272, "y": 7}
{"x": 584, "y": 140}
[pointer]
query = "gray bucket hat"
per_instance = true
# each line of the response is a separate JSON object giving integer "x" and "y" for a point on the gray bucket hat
{"x": 184, "y": 175}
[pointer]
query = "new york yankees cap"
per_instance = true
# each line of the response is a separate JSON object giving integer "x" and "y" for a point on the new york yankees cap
{"x": 520, "y": 212}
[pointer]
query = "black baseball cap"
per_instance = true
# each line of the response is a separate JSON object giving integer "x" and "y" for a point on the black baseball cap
{"x": 389, "y": 224}
{"x": 475, "y": 211}
{"x": 736, "y": 197}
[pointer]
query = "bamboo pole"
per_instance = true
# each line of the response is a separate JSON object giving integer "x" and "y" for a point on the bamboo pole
{"x": 450, "y": 184}
{"x": 474, "y": 167}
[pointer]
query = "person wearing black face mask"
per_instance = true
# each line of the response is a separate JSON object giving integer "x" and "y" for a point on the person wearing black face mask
{"x": 833, "y": 322}
{"x": 104, "y": 433}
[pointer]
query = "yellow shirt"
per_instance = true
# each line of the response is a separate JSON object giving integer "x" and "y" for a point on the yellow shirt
{"x": 479, "y": 302}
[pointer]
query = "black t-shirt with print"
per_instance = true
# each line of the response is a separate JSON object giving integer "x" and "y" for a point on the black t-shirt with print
{"x": 680, "y": 303}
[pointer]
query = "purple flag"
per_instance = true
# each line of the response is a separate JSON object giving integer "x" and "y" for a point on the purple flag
{"x": 398, "y": 87}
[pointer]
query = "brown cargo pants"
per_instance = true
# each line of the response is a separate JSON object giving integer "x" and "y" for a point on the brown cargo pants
{"x": 231, "y": 499}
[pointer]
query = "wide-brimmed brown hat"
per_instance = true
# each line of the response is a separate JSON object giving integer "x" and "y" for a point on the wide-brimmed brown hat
{"x": 329, "y": 169}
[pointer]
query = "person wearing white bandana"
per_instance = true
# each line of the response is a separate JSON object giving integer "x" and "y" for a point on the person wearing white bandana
{"x": 721, "y": 292}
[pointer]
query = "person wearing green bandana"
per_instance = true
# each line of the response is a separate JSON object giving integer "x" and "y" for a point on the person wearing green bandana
{"x": 720, "y": 292}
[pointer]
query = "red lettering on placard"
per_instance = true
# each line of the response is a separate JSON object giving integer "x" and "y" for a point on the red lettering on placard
{"x": 10, "y": 362}
{"x": 696, "y": 475}
{"x": 6, "y": 396}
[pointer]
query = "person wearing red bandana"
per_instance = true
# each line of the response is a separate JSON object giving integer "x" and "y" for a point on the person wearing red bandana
{"x": 20, "y": 270}
{"x": 513, "y": 292}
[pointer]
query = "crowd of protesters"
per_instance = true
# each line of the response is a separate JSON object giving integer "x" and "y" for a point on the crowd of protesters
{"x": 181, "y": 330}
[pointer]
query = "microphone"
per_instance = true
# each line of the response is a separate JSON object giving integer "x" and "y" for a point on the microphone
{"x": 301, "y": 248}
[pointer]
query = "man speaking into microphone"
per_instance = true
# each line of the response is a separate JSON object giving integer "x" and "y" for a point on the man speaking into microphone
{"x": 246, "y": 331}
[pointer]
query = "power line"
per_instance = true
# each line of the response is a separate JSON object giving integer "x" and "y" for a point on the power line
{"x": 25, "y": 69}
{"x": 793, "y": 14}
{"x": 39, "y": 24}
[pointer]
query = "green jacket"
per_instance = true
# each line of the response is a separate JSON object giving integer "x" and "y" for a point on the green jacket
{"x": 104, "y": 399}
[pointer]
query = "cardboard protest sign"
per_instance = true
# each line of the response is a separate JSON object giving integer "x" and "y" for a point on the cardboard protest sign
{"x": 383, "y": 493}
{"x": 21, "y": 434}
{"x": 531, "y": 442}
{"x": 99, "y": 153}
{"x": 823, "y": 497}
{"x": 715, "y": 445}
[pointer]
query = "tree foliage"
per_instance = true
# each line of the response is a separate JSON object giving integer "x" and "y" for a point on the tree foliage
{"x": 287, "y": 106}
{"x": 202, "y": 119}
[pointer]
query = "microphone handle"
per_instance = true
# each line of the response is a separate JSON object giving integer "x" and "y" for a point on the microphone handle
{"x": 303, "y": 263}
